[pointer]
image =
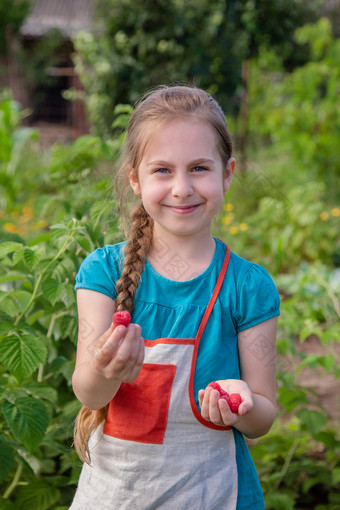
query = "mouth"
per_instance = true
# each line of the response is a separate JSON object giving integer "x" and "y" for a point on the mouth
{"x": 183, "y": 209}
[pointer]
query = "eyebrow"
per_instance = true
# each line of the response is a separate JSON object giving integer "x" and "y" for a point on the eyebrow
{"x": 200, "y": 161}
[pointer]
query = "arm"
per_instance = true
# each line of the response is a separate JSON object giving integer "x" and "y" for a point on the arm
{"x": 105, "y": 356}
{"x": 257, "y": 388}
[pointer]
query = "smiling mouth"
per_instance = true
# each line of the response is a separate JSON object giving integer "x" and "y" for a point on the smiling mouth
{"x": 183, "y": 209}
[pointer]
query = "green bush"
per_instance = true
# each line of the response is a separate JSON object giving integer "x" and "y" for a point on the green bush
{"x": 298, "y": 111}
{"x": 58, "y": 207}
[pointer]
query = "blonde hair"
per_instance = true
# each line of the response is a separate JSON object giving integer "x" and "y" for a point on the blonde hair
{"x": 155, "y": 108}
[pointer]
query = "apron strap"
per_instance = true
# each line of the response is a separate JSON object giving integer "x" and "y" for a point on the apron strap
{"x": 214, "y": 294}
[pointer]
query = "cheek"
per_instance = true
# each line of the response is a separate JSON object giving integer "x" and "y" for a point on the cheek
{"x": 152, "y": 192}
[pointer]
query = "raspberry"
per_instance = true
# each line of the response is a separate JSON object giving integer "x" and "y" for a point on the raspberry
{"x": 235, "y": 401}
{"x": 223, "y": 394}
{"x": 215, "y": 386}
{"x": 121, "y": 319}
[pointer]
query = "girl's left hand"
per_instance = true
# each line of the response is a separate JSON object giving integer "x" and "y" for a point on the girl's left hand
{"x": 216, "y": 409}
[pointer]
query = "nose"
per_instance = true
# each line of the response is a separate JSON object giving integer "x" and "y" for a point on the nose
{"x": 182, "y": 186}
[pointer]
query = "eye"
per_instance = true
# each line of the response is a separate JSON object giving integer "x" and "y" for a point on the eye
{"x": 199, "y": 169}
{"x": 161, "y": 171}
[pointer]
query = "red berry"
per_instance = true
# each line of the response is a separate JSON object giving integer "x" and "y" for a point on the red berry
{"x": 223, "y": 394}
{"x": 121, "y": 319}
{"x": 235, "y": 401}
{"x": 215, "y": 386}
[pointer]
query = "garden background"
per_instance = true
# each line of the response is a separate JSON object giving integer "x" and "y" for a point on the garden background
{"x": 275, "y": 68}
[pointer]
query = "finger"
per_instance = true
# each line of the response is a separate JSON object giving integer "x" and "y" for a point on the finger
{"x": 206, "y": 403}
{"x": 200, "y": 397}
{"x": 103, "y": 338}
{"x": 104, "y": 355}
{"x": 126, "y": 348}
{"x": 245, "y": 407}
{"x": 136, "y": 342}
{"x": 214, "y": 410}
{"x": 225, "y": 412}
{"x": 136, "y": 368}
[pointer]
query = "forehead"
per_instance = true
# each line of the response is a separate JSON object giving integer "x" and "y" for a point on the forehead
{"x": 188, "y": 135}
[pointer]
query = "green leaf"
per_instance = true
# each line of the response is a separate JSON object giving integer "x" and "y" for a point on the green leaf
{"x": 71, "y": 409}
{"x": 69, "y": 296}
{"x": 41, "y": 390}
{"x": 21, "y": 298}
{"x": 279, "y": 501}
{"x": 52, "y": 290}
{"x": 335, "y": 476}
{"x": 7, "y": 458}
{"x": 8, "y": 247}
{"x": 31, "y": 258}
{"x": 12, "y": 276}
{"x": 84, "y": 243}
{"x": 7, "y": 505}
{"x": 58, "y": 231}
{"x": 5, "y": 328}
{"x": 313, "y": 420}
{"x": 27, "y": 419}
{"x": 37, "y": 495}
{"x": 22, "y": 354}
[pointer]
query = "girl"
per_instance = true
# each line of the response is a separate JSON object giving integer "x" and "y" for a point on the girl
{"x": 150, "y": 435}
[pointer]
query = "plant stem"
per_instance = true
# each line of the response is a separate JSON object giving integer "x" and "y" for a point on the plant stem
{"x": 34, "y": 293}
{"x": 37, "y": 283}
{"x": 49, "y": 334}
{"x": 15, "y": 480}
{"x": 286, "y": 463}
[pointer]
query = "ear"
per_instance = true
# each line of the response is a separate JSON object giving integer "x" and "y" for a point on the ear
{"x": 228, "y": 174}
{"x": 134, "y": 183}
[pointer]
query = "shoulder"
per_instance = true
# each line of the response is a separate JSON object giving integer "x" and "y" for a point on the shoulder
{"x": 253, "y": 295}
{"x": 244, "y": 271}
{"x": 100, "y": 269}
{"x": 108, "y": 254}
{"x": 240, "y": 268}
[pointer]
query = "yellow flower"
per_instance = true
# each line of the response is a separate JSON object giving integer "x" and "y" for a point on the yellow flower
{"x": 243, "y": 227}
{"x": 27, "y": 211}
{"x": 233, "y": 230}
{"x": 227, "y": 220}
{"x": 41, "y": 224}
{"x": 10, "y": 227}
{"x": 335, "y": 211}
{"x": 24, "y": 219}
{"x": 324, "y": 215}
{"x": 229, "y": 207}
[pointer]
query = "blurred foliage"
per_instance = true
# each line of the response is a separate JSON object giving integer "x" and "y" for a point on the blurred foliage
{"x": 298, "y": 111}
{"x": 57, "y": 205}
{"x": 138, "y": 45}
{"x": 12, "y": 16}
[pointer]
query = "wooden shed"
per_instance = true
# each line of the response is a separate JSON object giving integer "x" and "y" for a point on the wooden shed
{"x": 47, "y": 106}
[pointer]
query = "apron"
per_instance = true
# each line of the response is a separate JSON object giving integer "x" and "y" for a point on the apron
{"x": 155, "y": 450}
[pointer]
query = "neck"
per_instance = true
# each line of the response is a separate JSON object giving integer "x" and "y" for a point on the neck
{"x": 181, "y": 258}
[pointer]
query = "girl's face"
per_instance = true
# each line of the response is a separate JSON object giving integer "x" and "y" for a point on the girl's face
{"x": 182, "y": 178}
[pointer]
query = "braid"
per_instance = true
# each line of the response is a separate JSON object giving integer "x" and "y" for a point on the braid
{"x": 136, "y": 251}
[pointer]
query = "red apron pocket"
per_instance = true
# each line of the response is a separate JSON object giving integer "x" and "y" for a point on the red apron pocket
{"x": 139, "y": 411}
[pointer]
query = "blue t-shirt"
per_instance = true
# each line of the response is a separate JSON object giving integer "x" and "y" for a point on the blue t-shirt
{"x": 166, "y": 308}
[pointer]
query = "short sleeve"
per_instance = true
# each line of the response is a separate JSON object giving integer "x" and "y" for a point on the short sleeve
{"x": 100, "y": 271}
{"x": 259, "y": 299}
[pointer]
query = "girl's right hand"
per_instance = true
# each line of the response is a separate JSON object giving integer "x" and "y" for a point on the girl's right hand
{"x": 119, "y": 353}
